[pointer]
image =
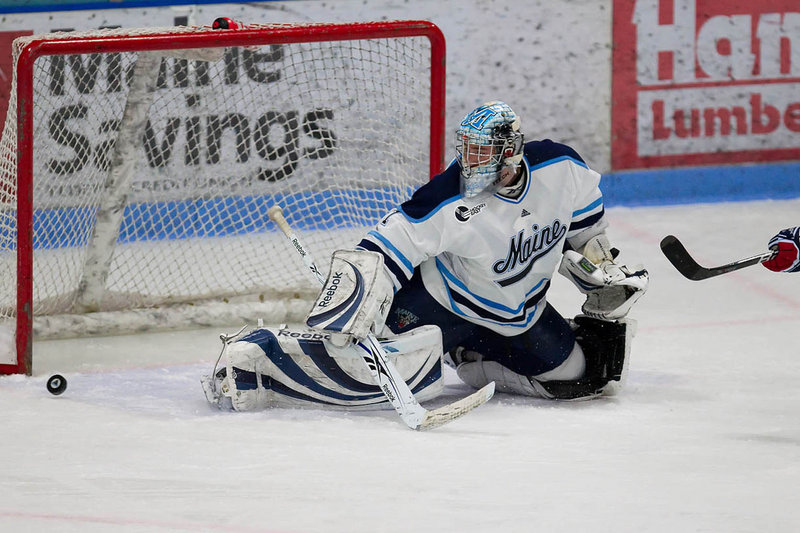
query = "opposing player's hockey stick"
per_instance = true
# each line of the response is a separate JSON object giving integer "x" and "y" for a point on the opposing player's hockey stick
{"x": 679, "y": 257}
{"x": 383, "y": 370}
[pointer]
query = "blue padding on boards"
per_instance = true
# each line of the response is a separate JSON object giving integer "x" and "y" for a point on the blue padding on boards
{"x": 215, "y": 217}
{"x": 733, "y": 183}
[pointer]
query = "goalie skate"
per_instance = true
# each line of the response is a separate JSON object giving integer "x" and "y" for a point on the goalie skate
{"x": 214, "y": 387}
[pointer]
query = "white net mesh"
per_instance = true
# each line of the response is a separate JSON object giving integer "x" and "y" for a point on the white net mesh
{"x": 153, "y": 171}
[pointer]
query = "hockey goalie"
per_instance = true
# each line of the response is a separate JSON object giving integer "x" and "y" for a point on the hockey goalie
{"x": 459, "y": 274}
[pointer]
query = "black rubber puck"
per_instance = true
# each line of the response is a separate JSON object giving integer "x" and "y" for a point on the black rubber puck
{"x": 56, "y": 384}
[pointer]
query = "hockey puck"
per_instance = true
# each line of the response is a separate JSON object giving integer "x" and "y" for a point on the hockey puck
{"x": 56, "y": 384}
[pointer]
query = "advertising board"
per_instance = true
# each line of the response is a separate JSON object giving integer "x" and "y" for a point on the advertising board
{"x": 697, "y": 82}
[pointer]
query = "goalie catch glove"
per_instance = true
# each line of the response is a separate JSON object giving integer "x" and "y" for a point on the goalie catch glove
{"x": 355, "y": 299}
{"x": 611, "y": 289}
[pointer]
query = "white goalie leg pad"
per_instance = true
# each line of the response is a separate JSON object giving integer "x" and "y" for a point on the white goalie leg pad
{"x": 355, "y": 299}
{"x": 476, "y": 372}
{"x": 597, "y": 365}
{"x": 284, "y": 367}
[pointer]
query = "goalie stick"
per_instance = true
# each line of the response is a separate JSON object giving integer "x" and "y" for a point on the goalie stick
{"x": 383, "y": 370}
{"x": 680, "y": 258}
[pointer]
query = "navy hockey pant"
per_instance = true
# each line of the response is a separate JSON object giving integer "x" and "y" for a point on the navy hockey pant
{"x": 543, "y": 347}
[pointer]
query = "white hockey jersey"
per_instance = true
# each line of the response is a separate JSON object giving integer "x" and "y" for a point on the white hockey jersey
{"x": 490, "y": 259}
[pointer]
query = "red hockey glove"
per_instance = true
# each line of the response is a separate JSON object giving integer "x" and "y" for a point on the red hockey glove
{"x": 787, "y": 243}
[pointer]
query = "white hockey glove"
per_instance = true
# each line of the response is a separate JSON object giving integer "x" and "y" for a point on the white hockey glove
{"x": 355, "y": 299}
{"x": 611, "y": 289}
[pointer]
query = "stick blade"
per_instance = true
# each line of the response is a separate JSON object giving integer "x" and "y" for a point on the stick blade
{"x": 677, "y": 254}
{"x": 448, "y": 413}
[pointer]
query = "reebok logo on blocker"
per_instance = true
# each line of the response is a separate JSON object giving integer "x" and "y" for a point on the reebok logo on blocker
{"x": 336, "y": 279}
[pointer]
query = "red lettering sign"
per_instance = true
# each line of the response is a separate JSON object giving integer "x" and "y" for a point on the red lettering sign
{"x": 705, "y": 82}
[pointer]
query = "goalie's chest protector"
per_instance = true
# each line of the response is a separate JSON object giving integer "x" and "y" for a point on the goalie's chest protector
{"x": 501, "y": 253}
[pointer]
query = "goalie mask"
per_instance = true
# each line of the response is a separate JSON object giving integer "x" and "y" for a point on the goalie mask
{"x": 488, "y": 146}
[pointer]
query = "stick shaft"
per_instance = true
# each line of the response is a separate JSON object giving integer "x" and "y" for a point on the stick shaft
{"x": 682, "y": 260}
{"x": 275, "y": 213}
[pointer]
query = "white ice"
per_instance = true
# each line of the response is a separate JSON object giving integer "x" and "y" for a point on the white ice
{"x": 705, "y": 437}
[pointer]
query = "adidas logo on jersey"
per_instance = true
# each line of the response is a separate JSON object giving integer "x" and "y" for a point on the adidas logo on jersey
{"x": 525, "y": 212}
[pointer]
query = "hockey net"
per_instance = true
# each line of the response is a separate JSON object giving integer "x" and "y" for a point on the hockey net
{"x": 137, "y": 167}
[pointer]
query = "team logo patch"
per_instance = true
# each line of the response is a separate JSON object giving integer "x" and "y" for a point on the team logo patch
{"x": 405, "y": 318}
{"x": 464, "y": 213}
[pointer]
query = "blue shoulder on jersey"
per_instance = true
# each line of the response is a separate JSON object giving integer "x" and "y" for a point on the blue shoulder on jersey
{"x": 442, "y": 189}
{"x": 445, "y": 187}
{"x": 538, "y": 152}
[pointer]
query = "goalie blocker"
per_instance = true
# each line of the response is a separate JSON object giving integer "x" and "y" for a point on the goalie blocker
{"x": 355, "y": 299}
{"x": 284, "y": 367}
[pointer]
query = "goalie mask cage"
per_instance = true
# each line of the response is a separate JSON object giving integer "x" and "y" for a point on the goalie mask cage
{"x": 137, "y": 167}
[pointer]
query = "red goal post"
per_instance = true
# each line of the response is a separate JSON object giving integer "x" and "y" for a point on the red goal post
{"x": 131, "y": 158}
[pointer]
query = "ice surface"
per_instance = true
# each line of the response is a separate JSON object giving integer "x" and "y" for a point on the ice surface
{"x": 705, "y": 438}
